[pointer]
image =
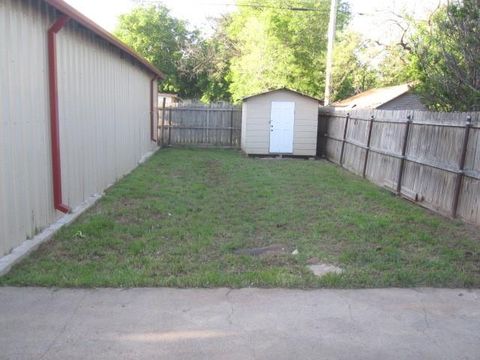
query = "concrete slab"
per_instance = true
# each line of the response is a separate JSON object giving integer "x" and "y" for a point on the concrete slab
{"x": 38, "y": 323}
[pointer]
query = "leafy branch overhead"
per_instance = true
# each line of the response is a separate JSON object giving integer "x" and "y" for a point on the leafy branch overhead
{"x": 252, "y": 49}
{"x": 267, "y": 44}
{"x": 167, "y": 43}
{"x": 440, "y": 56}
{"x": 446, "y": 56}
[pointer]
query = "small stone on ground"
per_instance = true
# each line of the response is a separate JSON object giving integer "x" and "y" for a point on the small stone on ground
{"x": 323, "y": 269}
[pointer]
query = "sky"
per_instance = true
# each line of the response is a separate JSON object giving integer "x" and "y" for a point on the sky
{"x": 370, "y": 17}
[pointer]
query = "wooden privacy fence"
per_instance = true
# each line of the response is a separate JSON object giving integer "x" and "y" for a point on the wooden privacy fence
{"x": 201, "y": 125}
{"x": 430, "y": 158}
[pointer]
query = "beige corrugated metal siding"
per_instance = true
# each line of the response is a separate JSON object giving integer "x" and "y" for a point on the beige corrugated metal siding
{"x": 256, "y": 123}
{"x": 104, "y": 108}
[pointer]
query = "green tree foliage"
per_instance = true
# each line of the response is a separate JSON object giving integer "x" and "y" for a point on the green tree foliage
{"x": 263, "y": 45}
{"x": 194, "y": 67}
{"x": 446, "y": 57}
{"x": 396, "y": 67}
{"x": 212, "y": 63}
{"x": 352, "y": 73}
{"x": 441, "y": 57}
{"x": 279, "y": 46}
{"x": 165, "y": 42}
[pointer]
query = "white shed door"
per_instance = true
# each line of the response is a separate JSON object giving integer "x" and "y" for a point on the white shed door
{"x": 282, "y": 118}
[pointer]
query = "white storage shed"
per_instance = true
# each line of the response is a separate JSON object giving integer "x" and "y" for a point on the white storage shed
{"x": 280, "y": 122}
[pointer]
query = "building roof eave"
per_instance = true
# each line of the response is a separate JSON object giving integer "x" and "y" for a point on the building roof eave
{"x": 78, "y": 17}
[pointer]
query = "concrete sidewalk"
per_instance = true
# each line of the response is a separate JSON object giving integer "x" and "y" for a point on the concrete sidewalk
{"x": 38, "y": 323}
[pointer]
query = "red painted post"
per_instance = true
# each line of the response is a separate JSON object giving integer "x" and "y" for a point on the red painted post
{"x": 54, "y": 123}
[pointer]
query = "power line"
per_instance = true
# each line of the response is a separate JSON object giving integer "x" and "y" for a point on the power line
{"x": 250, "y": 5}
{"x": 261, "y": 6}
{"x": 291, "y": 8}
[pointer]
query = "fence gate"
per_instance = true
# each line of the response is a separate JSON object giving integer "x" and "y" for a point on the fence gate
{"x": 201, "y": 125}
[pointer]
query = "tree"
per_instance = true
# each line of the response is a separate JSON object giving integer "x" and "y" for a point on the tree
{"x": 446, "y": 56}
{"x": 165, "y": 42}
{"x": 223, "y": 50}
{"x": 352, "y": 74}
{"x": 396, "y": 67}
{"x": 210, "y": 63}
{"x": 278, "y": 44}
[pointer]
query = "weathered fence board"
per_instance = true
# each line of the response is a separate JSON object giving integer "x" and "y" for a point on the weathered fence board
{"x": 201, "y": 125}
{"x": 430, "y": 158}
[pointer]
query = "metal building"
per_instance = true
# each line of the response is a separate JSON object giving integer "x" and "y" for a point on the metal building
{"x": 282, "y": 122}
{"x": 76, "y": 113}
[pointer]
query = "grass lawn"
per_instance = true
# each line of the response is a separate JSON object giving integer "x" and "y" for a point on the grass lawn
{"x": 178, "y": 219}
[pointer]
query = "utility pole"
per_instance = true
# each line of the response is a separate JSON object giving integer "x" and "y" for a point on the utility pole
{"x": 331, "y": 39}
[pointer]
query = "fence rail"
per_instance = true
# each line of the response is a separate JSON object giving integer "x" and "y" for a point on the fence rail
{"x": 430, "y": 158}
{"x": 200, "y": 125}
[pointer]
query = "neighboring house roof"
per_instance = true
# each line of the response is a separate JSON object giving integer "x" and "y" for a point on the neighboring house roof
{"x": 284, "y": 89}
{"x": 75, "y": 15}
{"x": 374, "y": 98}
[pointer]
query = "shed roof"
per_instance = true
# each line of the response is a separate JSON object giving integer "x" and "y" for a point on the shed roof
{"x": 74, "y": 14}
{"x": 280, "y": 89}
{"x": 374, "y": 98}
{"x": 169, "y": 95}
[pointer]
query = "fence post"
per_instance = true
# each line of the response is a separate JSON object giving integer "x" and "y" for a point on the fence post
{"x": 208, "y": 124}
{"x": 344, "y": 138}
{"x": 404, "y": 152}
{"x": 319, "y": 133}
{"x": 367, "y": 150}
{"x": 163, "y": 120}
{"x": 461, "y": 167}
{"x": 169, "y": 126}
{"x": 231, "y": 127}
